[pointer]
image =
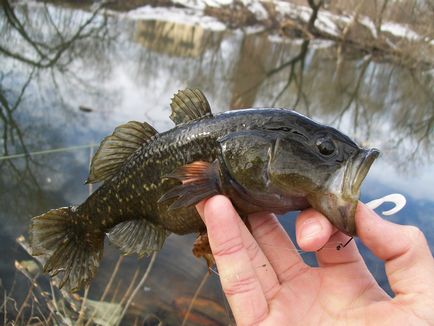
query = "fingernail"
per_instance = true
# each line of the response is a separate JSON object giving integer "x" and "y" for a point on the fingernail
{"x": 310, "y": 228}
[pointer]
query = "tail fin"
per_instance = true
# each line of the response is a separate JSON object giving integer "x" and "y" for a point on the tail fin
{"x": 71, "y": 248}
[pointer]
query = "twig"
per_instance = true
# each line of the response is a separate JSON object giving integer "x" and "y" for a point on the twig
{"x": 130, "y": 287}
{"x": 5, "y": 311}
{"x": 108, "y": 286}
{"x": 193, "y": 300}
{"x": 142, "y": 281}
{"x": 115, "y": 292}
{"x": 82, "y": 307}
{"x": 29, "y": 293}
{"x": 112, "y": 277}
{"x": 90, "y": 185}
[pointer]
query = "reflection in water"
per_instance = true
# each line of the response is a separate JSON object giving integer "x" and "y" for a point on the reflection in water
{"x": 250, "y": 84}
{"x": 171, "y": 38}
{"x": 26, "y": 45}
{"x": 56, "y": 60}
{"x": 376, "y": 103}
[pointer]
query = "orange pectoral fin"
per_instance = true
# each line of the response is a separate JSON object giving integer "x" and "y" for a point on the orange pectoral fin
{"x": 200, "y": 180}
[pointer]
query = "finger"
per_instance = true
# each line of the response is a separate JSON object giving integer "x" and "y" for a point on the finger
{"x": 277, "y": 246}
{"x": 267, "y": 276}
{"x": 313, "y": 229}
{"x": 199, "y": 207}
{"x": 237, "y": 275}
{"x": 408, "y": 259}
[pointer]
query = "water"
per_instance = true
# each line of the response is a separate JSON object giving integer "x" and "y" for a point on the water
{"x": 68, "y": 77}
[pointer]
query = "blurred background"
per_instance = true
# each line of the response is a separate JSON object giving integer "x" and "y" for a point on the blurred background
{"x": 71, "y": 71}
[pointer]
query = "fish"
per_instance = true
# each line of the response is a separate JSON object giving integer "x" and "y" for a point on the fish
{"x": 263, "y": 159}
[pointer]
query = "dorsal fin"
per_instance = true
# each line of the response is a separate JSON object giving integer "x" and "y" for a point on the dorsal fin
{"x": 189, "y": 104}
{"x": 117, "y": 147}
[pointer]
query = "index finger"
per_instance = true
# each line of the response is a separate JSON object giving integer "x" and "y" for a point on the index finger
{"x": 238, "y": 277}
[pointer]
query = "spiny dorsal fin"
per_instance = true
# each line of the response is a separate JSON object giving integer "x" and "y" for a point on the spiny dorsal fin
{"x": 189, "y": 104}
{"x": 138, "y": 236}
{"x": 116, "y": 148}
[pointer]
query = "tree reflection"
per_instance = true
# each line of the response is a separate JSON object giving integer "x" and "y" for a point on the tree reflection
{"x": 36, "y": 45}
{"x": 298, "y": 61}
{"x": 45, "y": 53}
{"x": 367, "y": 99}
{"x": 257, "y": 63}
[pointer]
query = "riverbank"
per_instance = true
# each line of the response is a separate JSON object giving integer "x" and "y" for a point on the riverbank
{"x": 386, "y": 34}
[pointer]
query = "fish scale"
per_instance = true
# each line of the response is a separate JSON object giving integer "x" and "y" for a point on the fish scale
{"x": 264, "y": 160}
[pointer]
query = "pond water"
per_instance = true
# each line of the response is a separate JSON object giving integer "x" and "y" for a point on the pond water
{"x": 69, "y": 76}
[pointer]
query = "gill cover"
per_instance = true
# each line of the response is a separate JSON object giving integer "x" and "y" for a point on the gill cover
{"x": 245, "y": 155}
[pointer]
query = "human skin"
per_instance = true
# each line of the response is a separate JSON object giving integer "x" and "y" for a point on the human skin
{"x": 266, "y": 281}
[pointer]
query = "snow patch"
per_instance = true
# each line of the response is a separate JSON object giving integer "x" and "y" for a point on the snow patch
{"x": 369, "y": 24}
{"x": 184, "y": 16}
{"x": 257, "y": 9}
{"x": 400, "y": 30}
{"x": 327, "y": 22}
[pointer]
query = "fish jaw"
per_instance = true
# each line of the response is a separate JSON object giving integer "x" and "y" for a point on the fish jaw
{"x": 339, "y": 197}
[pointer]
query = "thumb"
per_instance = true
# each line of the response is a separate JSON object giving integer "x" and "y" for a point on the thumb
{"x": 408, "y": 259}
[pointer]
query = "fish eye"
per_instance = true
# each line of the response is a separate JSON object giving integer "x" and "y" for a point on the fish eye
{"x": 325, "y": 146}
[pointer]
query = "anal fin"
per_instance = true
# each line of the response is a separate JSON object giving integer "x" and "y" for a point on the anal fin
{"x": 200, "y": 180}
{"x": 138, "y": 236}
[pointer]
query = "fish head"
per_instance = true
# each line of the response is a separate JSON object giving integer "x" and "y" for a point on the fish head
{"x": 291, "y": 162}
{"x": 324, "y": 166}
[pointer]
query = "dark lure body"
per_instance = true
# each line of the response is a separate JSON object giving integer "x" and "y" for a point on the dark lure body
{"x": 272, "y": 160}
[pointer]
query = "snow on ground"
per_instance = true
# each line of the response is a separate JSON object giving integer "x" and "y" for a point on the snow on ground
{"x": 187, "y": 16}
{"x": 400, "y": 30}
{"x": 327, "y": 22}
{"x": 369, "y": 24}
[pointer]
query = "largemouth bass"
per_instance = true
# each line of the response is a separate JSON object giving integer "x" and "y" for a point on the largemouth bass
{"x": 264, "y": 160}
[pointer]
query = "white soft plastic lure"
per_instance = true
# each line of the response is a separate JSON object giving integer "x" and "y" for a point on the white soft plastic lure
{"x": 397, "y": 199}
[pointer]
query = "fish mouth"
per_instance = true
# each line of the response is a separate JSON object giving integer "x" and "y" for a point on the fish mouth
{"x": 340, "y": 206}
{"x": 338, "y": 199}
{"x": 357, "y": 170}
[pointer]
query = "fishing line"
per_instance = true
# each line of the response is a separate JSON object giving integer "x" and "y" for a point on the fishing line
{"x": 48, "y": 151}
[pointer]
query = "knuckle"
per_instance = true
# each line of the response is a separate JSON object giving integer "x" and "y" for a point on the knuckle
{"x": 228, "y": 247}
{"x": 272, "y": 291}
{"x": 259, "y": 318}
{"x": 239, "y": 284}
{"x": 253, "y": 250}
{"x": 414, "y": 234}
{"x": 268, "y": 228}
{"x": 292, "y": 271}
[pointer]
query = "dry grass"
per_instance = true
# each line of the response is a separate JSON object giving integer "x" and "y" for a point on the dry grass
{"x": 42, "y": 306}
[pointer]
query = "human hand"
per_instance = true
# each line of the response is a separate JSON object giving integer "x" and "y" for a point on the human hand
{"x": 266, "y": 281}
